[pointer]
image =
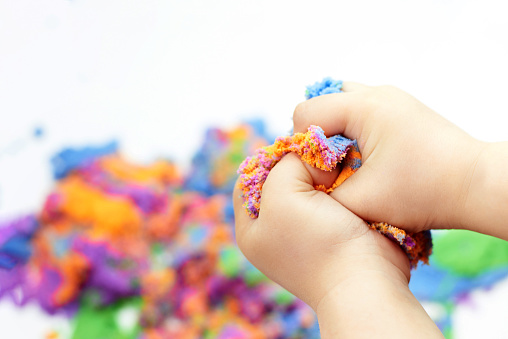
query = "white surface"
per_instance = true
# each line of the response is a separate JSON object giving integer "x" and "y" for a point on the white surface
{"x": 484, "y": 315}
{"x": 29, "y": 322}
{"x": 154, "y": 74}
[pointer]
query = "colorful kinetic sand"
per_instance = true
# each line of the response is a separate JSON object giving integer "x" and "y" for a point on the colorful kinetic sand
{"x": 114, "y": 237}
{"x": 324, "y": 153}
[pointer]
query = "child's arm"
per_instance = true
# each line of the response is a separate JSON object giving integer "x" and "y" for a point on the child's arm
{"x": 353, "y": 277}
{"x": 372, "y": 305}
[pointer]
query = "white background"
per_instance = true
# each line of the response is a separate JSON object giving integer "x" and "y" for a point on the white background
{"x": 153, "y": 74}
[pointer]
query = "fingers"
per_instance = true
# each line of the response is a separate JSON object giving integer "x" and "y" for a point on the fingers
{"x": 285, "y": 195}
{"x": 334, "y": 113}
{"x": 350, "y": 86}
{"x": 292, "y": 215}
{"x": 320, "y": 177}
{"x": 365, "y": 193}
{"x": 243, "y": 223}
{"x": 278, "y": 194}
{"x": 352, "y": 192}
{"x": 287, "y": 177}
{"x": 289, "y": 198}
{"x": 291, "y": 204}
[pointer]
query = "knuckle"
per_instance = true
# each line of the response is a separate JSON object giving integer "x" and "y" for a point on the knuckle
{"x": 354, "y": 227}
{"x": 300, "y": 114}
{"x": 388, "y": 91}
{"x": 382, "y": 94}
{"x": 388, "y": 88}
{"x": 243, "y": 241}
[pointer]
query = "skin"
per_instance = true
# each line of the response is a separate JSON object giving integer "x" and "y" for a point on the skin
{"x": 417, "y": 166}
{"x": 419, "y": 172}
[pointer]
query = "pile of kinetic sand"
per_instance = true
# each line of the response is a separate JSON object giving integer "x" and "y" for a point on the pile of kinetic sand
{"x": 114, "y": 235}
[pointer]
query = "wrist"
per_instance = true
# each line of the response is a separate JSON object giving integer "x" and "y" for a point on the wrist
{"x": 485, "y": 203}
{"x": 372, "y": 254}
{"x": 373, "y": 304}
{"x": 341, "y": 307}
{"x": 468, "y": 161}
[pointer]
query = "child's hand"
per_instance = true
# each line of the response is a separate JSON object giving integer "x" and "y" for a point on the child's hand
{"x": 311, "y": 245}
{"x": 305, "y": 240}
{"x": 417, "y": 166}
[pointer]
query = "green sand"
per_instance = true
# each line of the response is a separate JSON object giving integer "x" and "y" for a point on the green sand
{"x": 467, "y": 253}
{"x": 97, "y": 322}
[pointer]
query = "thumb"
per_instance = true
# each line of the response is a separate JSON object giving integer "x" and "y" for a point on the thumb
{"x": 289, "y": 198}
{"x": 322, "y": 178}
{"x": 278, "y": 204}
{"x": 365, "y": 194}
{"x": 289, "y": 176}
{"x": 339, "y": 113}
